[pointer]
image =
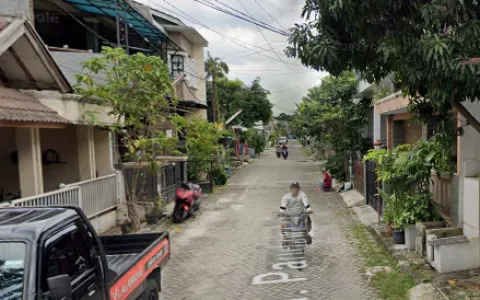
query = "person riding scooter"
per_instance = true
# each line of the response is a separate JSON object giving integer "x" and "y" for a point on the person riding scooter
{"x": 294, "y": 204}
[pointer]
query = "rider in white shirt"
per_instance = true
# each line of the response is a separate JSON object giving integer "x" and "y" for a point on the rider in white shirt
{"x": 294, "y": 204}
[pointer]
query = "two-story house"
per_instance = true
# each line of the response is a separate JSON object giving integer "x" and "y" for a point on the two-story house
{"x": 47, "y": 143}
{"x": 188, "y": 60}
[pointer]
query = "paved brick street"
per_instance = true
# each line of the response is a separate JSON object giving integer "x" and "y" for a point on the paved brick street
{"x": 231, "y": 250}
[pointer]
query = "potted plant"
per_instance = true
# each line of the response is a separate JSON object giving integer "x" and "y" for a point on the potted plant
{"x": 399, "y": 228}
{"x": 155, "y": 213}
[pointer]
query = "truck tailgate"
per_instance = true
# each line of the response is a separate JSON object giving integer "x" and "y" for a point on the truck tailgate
{"x": 132, "y": 258}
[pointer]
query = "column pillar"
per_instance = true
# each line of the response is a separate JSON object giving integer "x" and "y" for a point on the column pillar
{"x": 29, "y": 161}
{"x": 86, "y": 152}
{"x": 390, "y": 132}
{"x": 377, "y": 124}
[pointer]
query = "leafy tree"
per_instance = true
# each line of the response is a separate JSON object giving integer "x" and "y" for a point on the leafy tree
{"x": 330, "y": 114}
{"x": 283, "y": 117}
{"x": 202, "y": 146}
{"x": 216, "y": 69}
{"x": 136, "y": 91}
{"x": 234, "y": 95}
{"x": 425, "y": 43}
{"x": 256, "y": 106}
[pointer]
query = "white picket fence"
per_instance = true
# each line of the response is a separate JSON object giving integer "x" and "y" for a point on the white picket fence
{"x": 93, "y": 196}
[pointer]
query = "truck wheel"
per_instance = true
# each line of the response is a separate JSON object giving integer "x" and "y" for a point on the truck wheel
{"x": 151, "y": 291}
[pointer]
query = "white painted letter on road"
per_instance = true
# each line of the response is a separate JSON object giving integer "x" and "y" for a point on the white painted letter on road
{"x": 273, "y": 278}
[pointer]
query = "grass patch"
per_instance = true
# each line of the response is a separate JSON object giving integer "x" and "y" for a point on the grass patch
{"x": 390, "y": 286}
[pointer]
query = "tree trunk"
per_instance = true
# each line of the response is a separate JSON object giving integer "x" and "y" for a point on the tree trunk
{"x": 133, "y": 212}
{"x": 471, "y": 120}
{"x": 214, "y": 98}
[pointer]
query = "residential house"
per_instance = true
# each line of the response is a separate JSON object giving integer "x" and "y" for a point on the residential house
{"x": 456, "y": 247}
{"x": 46, "y": 143}
{"x": 189, "y": 59}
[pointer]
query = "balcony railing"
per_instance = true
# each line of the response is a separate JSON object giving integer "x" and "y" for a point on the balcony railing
{"x": 93, "y": 196}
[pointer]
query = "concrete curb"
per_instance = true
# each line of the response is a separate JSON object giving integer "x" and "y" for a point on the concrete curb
{"x": 407, "y": 261}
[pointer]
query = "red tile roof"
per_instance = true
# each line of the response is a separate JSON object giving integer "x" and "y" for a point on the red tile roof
{"x": 16, "y": 106}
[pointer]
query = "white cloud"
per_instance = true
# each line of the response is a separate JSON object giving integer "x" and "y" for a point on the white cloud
{"x": 287, "y": 86}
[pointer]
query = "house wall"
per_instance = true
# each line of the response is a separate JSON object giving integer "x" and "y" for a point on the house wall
{"x": 182, "y": 41}
{"x": 9, "y": 176}
{"x": 412, "y": 131}
{"x": 17, "y": 8}
{"x": 63, "y": 141}
{"x": 468, "y": 168}
{"x": 103, "y": 152}
{"x": 199, "y": 56}
{"x": 72, "y": 107}
{"x": 392, "y": 105}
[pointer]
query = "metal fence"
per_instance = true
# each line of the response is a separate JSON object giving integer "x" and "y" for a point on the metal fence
{"x": 67, "y": 196}
{"x": 98, "y": 194}
{"x": 93, "y": 196}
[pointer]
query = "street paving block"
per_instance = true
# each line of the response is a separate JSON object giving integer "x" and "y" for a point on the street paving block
{"x": 232, "y": 249}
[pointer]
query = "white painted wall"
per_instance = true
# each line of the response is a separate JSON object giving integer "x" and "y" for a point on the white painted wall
{"x": 103, "y": 152}
{"x": 64, "y": 141}
{"x": 104, "y": 222}
{"x": 469, "y": 188}
{"x": 17, "y": 8}
{"x": 72, "y": 107}
{"x": 457, "y": 257}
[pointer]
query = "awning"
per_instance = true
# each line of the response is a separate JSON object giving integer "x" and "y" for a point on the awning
{"x": 18, "y": 109}
{"x": 192, "y": 104}
{"x": 25, "y": 62}
{"x": 128, "y": 11}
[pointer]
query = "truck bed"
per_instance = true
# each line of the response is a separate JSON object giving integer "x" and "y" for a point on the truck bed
{"x": 119, "y": 263}
{"x": 126, "y": 252}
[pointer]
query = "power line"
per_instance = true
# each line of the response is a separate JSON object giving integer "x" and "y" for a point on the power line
{"x": 258, "y": 3}
{"x": 248, "y": 53}
{"x": 192, "y": 19}
{"x": 241, "y": 16}
{"x": 232, "y": 39}
{"x": 265, "y": 38}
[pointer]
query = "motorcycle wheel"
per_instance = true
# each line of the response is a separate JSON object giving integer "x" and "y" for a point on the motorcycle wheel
{"x": 179, "y": 214}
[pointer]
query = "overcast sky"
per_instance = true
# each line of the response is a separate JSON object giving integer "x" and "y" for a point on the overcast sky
{"x": 286, "y": 78}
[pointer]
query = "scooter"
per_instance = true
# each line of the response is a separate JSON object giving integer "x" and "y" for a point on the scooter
{"x": 187, "y": 201}
{"x": 285, "y": 153}
{"x": 296, "y": 231}
{"x": 279, "y": 152}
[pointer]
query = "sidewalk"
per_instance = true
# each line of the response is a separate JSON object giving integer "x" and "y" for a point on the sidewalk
{"x": 408, "y": 262}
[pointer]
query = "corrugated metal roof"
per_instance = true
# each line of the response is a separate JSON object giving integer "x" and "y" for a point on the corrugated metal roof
{"x": 16, "y": 106}
{"x": 109, "y": 8}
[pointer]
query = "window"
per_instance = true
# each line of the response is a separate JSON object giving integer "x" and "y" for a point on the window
{"x": 178, "y": 65}
{"x": 12, "y": 267}
{"x": 69, "y": 254}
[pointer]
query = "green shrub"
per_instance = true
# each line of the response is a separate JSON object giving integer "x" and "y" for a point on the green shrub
{"x": 220, "y": 177}
{"x": 335, "y": 165}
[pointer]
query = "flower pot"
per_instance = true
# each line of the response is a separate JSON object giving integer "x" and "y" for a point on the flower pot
{"x": 410, "y": 237}
{"x": 398, "y": 236}
{"x": 152, "y": 219}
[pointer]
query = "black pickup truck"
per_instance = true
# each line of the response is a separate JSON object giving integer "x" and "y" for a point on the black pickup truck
{"x": 54, "y": 253}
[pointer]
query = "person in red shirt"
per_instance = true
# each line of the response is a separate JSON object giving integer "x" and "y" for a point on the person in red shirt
{"x": 327, "y": 181}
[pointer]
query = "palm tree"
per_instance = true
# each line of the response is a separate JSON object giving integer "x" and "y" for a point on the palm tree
{"x": 215, "y": 68}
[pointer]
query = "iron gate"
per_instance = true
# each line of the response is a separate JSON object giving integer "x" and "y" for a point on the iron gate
{"x": 371, "y": 187}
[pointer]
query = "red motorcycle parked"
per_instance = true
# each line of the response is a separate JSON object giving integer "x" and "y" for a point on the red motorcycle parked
{"x": 187, "y": 201}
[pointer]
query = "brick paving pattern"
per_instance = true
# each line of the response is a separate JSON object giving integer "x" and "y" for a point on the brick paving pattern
{"x": 236, "y": 237}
